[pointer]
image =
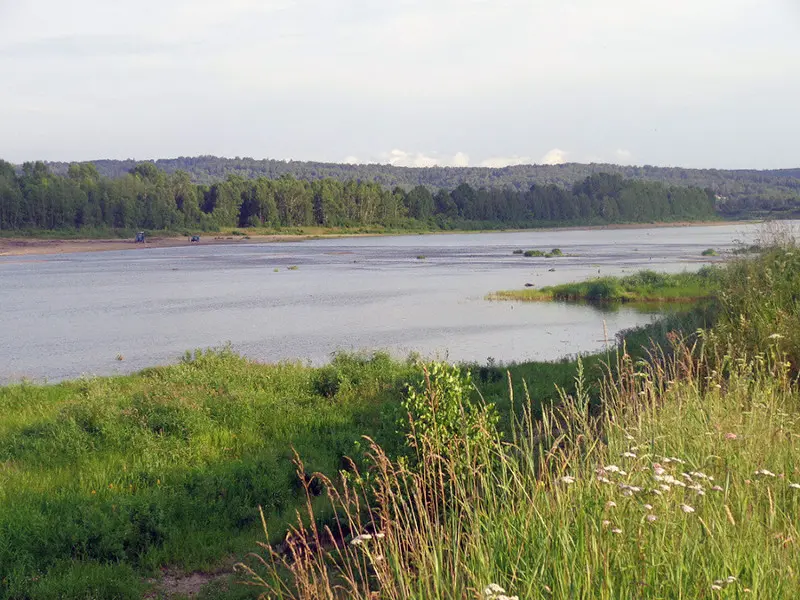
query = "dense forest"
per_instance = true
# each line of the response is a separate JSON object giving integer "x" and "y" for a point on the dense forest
{"x": 146, "y": 197}
{"x": 741, "y": 193}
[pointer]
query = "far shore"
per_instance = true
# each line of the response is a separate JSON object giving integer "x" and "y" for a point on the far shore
{"x": 29, "y": 246}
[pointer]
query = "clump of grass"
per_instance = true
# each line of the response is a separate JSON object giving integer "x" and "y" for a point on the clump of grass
{"x": 517, "y": 251}
{"x": 533, "y": 253}
{"x": 276, "y": 270}
{"x": 556, "y": 252}
{"x": 292, "y": 268}
{"x": 421, "y": 257}
{"x": 709, "y": 252}
{"x": 645, "y": 286}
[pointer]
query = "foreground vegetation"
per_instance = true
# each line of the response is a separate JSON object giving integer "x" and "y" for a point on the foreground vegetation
{"x": 567, "y": 479}
{"x": 103, "y": 481}
{"x": 683, "y": 482}
{"x": 645, "y": 286}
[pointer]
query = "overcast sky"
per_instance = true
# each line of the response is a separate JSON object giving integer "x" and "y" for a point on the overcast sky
{"x": 697, "y": 83}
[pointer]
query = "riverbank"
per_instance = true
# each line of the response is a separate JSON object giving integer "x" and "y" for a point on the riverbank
{"x": 31, "y": 246}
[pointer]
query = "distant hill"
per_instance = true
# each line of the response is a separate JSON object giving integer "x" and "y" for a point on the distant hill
{"x": 738, "y": 191}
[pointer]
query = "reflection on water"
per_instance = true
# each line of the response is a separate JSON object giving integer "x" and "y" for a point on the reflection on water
{"x": 68, "y": 315}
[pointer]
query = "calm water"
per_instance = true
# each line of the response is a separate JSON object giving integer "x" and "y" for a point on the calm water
{"x": 70, "y": 315}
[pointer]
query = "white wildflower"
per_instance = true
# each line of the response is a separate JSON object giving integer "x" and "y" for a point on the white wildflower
{"x": 795, "y": 486}
{"x": 651, "y": 518}
{"x": 659, "y": 470}
{"x": 611, "y": 469}
{"x": 493, "y": 590}
{"x": 664, "y": 487}
{"x": 606, "y": 523}
{"x": 687, "y": 509}
{"x": 776, "y": 336}
{"x": 648, "y": 507}
{"x": 602, "y": 479}
{"x": 568, "y": 479}
{"x": 627, "y": 493}
{"x": 657, "y": 492}
{"x": 616, "y": 530}
{"x": 730, "y": 579}
{"x": 716, "y": 588}
{"x": 611, "y": 504}
{"x": 628, "y": 455}
{"x": 717, "y": 488}
{"x": 765, "y": 473}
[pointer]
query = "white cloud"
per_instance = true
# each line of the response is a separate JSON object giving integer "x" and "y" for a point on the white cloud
{"x": 623, "y": 157}
{"x": 402, "y": 158}
{"x": 496, "y": 162}
{"x": 555, "y": 157}
{"x": 352, "y": 160}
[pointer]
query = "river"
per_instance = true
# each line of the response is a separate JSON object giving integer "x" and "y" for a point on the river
{"x": 66, "y": 316}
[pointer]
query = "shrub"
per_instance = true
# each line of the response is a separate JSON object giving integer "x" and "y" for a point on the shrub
{"x": 709, "y": 252}
{"x": 533, "y": 253}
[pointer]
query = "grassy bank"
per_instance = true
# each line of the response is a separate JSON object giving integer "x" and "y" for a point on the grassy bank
{"x": 645, "y": 286}
{"x": 684, "y": 484}
{"x": 105, "y": 481}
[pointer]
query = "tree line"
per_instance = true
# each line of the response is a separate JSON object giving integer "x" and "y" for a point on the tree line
{"x": 740, "y": 192}
{"x": 146, "y": 197}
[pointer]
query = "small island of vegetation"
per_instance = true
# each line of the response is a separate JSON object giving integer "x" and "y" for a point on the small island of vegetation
{"x": 645, "y": 286}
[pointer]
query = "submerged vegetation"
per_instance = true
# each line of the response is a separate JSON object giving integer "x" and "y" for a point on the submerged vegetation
{"x": 645, "y": 286}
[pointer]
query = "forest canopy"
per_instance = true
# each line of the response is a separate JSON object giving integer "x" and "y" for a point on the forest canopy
{"x": 739, "y": 193}
{"x": 146, "y": 197}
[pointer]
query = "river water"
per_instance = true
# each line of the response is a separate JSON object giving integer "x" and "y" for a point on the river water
{"x": 65, "y": 316}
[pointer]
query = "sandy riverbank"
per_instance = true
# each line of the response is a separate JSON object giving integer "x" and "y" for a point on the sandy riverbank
{"x": 34, "y": 246}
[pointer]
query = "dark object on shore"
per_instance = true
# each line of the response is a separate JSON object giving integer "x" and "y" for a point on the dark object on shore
{"x": 194, "y": 238}
{"x": 529, "y": 285}
{"x": 140, "y": 237}
{"x": 551, "y": 270}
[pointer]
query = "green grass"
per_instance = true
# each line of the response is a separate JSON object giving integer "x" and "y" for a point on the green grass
{"x": 684, "y": 482}
{"x": 709, "y": 252}
{"x": 102, "y": 481}
{"x": 645, "y": 286}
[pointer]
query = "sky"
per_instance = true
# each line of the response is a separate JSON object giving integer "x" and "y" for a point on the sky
{"x": 694, "y": 83}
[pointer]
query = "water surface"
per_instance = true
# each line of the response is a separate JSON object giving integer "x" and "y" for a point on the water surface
{"x": 64, "y": 316}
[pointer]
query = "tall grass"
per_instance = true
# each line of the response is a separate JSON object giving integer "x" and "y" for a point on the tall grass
{"x": 685, "y": 486}
{"x": 683, "y": 482}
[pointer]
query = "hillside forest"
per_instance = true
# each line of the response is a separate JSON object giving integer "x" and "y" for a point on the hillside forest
{"x": 36, "y": 197}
